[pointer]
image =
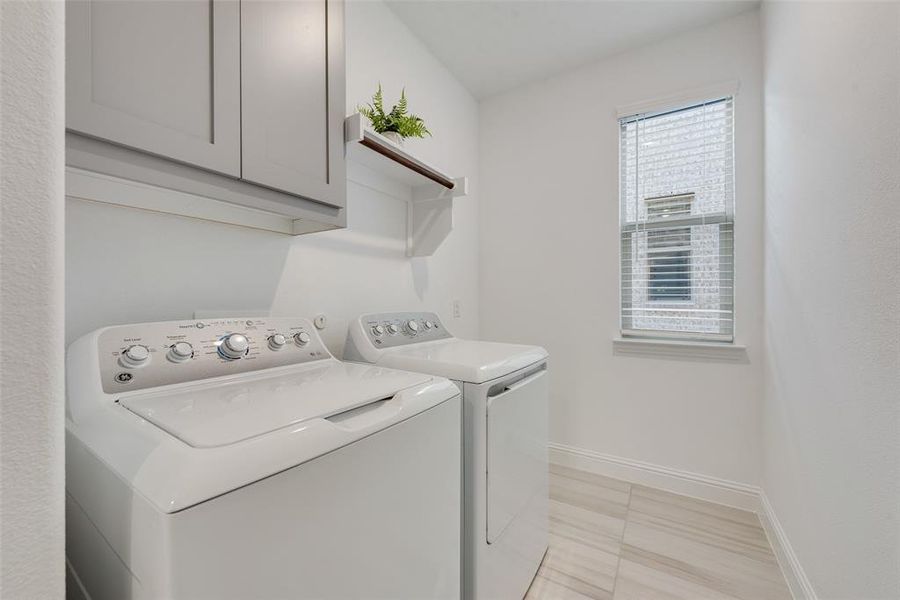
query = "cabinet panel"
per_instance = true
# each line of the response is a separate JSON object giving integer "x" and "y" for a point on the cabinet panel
{"x": 292, "y": 86}
{"x": 158, "y": 76}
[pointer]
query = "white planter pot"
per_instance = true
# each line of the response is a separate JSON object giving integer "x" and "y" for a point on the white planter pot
{"x": 394, "y": 137}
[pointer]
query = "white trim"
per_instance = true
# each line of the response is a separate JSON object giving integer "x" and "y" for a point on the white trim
{"x": 97, "y": 187}
{"x": 80, "y": 592}
{"x": 680, "y": 349}
{"x": 680, "y": 99}
{"x": 704, "y": 487}
{"x": 799, "y": 584}
{"x": 686, "y": 483}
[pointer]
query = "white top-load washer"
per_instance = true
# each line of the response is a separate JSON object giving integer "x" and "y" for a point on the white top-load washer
{"x": 237, "y": 459}
{"x": 505, "y": 399}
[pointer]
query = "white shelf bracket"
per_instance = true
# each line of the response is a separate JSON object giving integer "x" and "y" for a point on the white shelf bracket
{"x": 430, "y": 216}
{"x": 431, "y": 191}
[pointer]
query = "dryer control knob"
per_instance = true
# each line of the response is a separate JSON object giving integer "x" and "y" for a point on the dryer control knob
{"x": 429, "y": 325}
{"x": 136, "y": 356}
{"x": 234, "y": 346}
{"x": 180, "y": 352}
{"x": 393, "y": 329}
{"x": 302, "y": 338}
{"x": 277, "y": 341}
{"x": 412, "y": 327}
{"x": 378, "y": 330}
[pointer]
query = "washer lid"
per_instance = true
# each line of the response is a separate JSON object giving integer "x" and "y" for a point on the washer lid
{"x": 463, "y": 360}
{"x": 226, "y": 412}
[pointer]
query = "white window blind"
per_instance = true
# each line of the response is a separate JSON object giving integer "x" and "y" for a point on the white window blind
{"x": 677, "y": 222}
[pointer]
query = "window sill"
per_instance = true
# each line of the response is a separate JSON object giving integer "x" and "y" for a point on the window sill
{"x": 680, "y": 350}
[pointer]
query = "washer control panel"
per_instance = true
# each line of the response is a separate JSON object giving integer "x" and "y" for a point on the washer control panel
{"x": 134, "y": 357}
{"x": 388, "y": 330}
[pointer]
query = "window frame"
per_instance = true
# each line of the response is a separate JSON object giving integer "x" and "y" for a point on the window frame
{"x": 725, "y": 219}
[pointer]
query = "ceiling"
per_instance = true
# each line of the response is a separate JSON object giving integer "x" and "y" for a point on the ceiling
{"x": 492, "y": 46}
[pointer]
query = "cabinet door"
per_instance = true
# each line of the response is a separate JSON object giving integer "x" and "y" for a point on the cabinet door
{"x": 160, "y": 76}
{"x": 292, "y": 90}
{"x": 517, "y": 455}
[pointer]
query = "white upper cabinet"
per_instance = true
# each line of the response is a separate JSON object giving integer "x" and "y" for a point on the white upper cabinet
{"x": 292, "y": 91}
{"x": 231, "y": 102}
{"x": 158, "y": 76}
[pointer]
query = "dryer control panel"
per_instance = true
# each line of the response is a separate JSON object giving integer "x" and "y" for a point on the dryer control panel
{"x": 388, "y": 330}
{"x": 147, "y": 355}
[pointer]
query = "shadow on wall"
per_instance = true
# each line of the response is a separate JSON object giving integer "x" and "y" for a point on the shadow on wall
{"x": 361, "y": 269}
{"x": 419, "y": 268}
{"x": 129, "y": 266}
{"x": 125, "y": 266}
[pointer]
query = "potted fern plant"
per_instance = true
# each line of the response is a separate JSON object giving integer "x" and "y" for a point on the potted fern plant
{"x": 396, "y": 124}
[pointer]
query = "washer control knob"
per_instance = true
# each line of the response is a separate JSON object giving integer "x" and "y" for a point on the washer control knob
{"x": 302, "y": 338}
{"x": 393, "y": 329}
{"x": 412, "y": 326}
{"x": 378, "y": 331}
{"x": 234, "y": 346}
{"x": 277, "y": 341}
{"x": 429, "y": 325}
{"x": 180, "y": 352}
{"x": 136, "y": 356}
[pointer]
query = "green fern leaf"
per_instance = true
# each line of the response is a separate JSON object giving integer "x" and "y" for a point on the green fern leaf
{"x": 378, "y": 99}
{"x": 402, "y": 105}
{"x": 397, "y": 120}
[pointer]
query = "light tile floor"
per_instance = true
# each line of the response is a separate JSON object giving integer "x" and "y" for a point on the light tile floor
{"x": 611, "y": 539}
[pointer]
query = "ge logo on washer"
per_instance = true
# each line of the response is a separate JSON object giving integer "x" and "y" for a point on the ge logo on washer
{"x": 124, "y": 377}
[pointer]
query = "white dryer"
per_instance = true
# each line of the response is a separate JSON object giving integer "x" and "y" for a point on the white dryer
{"x": 237, "y": 459}
{"x": 505, "y": 398}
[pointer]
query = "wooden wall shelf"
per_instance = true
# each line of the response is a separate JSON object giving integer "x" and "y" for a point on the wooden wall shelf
{"x": 430, "y": 214}
{"x": 380, "y": 154}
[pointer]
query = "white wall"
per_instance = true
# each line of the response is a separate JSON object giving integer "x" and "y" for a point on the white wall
{"x": 550, "y": 250}
{"x": 31, "y": 300}
{"x": 832, "y": 245}
{"x": 130, "y": 266}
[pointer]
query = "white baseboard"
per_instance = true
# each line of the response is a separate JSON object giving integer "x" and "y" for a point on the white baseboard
{"x": 801, "y": 587}
{"x": 712, "y": 489}
{"x": 704, "y": 487}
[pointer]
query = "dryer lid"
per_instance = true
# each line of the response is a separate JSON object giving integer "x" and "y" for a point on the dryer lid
{"x": 463, "y": 360}
{"x": 226, "y": 412}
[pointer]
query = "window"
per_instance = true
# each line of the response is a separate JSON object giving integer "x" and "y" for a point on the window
{"x": 669, "y": 251}
{"x": 677, "y": 222}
